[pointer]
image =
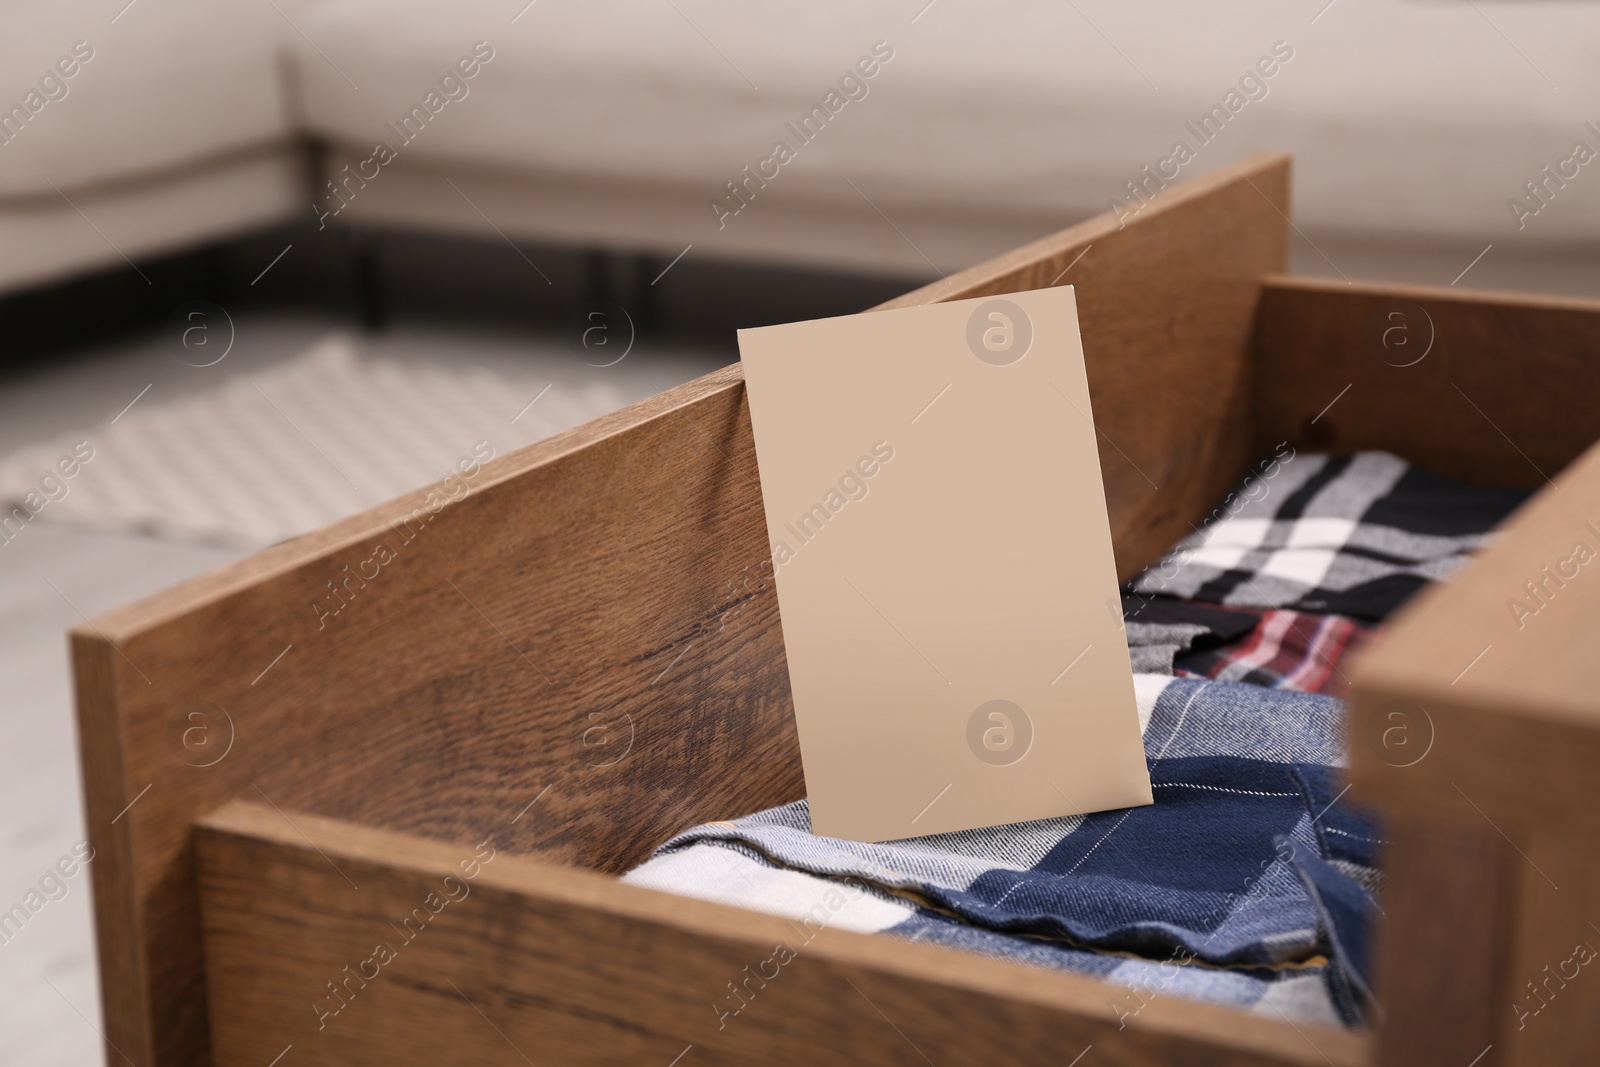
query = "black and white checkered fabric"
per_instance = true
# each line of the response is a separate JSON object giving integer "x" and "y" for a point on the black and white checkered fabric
{"x": 1349, "y": 535}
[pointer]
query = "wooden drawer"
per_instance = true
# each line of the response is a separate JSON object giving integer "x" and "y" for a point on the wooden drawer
{"x": 580, "y": 657}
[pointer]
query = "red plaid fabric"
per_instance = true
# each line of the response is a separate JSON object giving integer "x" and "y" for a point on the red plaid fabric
{"x": 1286, "y": 650}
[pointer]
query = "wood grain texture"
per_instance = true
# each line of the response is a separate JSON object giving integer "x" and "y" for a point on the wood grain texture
{"x": 597, "y": 587}
{"x": 1507, "y": 699}
{"x": 534, "y": 962}
{"x": 1482, "y": 950}
{"x": 1490, "y": 388}
{"x": 1551, "y": 1008}
{"x": 1166, "y": 306}
{"x": 578, "y": 595}
{"x": 1489, "y": 789}
{"x": 1449, "y": 896}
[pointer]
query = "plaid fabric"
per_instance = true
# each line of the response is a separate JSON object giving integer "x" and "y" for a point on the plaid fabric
{"x": 1160, "y": 628}
{"x": 1276, "y": 648}
{"x": 1285, "y": 650}
{"x": 1223, "y": 889}
{"x": 1247, "y": 882}
{"x": 1349, "y": 535}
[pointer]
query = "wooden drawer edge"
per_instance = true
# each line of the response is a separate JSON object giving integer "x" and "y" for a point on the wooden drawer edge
{"x": 590, "y": 970}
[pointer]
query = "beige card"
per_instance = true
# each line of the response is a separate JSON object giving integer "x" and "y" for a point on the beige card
{"x": 950, "y": 608}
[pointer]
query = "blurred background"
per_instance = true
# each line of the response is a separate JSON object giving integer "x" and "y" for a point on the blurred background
{"x": 264, "y": 263}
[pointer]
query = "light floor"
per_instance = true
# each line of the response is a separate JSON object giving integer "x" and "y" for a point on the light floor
{"x": 52, "y": 575}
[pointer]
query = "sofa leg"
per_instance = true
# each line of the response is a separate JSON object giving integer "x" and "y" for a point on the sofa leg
{"x": 366, "y": 262}
{"x": 597, "y": 281}
{"x": 643, "y": 305}
{"x": 624, "y": 281}
{"x": 215, "y": 267}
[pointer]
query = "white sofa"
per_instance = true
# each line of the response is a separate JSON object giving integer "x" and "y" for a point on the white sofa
{"x": 620, "y": 124}
{"x": 174, "y": 132}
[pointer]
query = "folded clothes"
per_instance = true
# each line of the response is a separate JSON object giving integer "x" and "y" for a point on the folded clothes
{"x": 1217, "y": 889}
{"x": 1348, "y": 535}
{"x": 1248, "y": 882}
{"x": 1284, "y": 650}
{"x": 1160, "y": 628}
{"x": 1276, "y": 647}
